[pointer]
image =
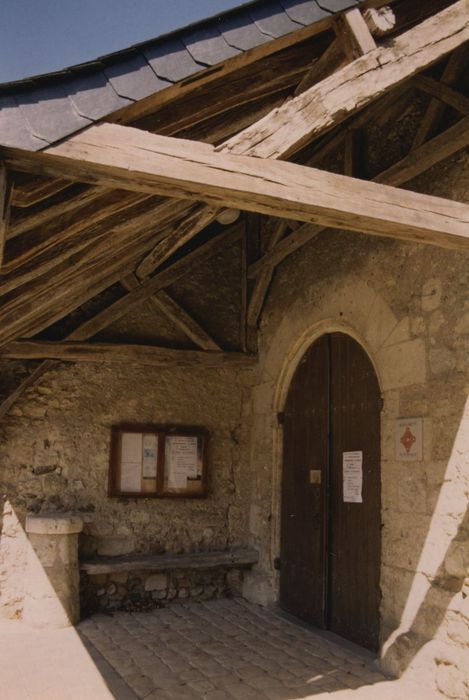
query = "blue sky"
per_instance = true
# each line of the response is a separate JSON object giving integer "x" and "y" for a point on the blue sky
{"x": 39, "y": 36}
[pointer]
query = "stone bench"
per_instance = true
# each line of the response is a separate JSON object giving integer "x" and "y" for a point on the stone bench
{"x": 141, "y": 580}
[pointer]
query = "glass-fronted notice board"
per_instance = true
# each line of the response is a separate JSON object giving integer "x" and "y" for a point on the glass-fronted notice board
{"x": 158, "y": 461}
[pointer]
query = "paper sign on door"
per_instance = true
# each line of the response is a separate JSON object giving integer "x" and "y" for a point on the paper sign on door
{"x": 352, "y": 466}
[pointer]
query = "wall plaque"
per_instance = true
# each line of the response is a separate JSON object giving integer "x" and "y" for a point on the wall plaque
{"x": 409, "y": 439}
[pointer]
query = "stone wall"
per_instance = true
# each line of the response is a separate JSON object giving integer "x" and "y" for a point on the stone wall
{"x": 408, "y": 305}
{"x": 142, "y": 590}
{"x": 54, "y": 456}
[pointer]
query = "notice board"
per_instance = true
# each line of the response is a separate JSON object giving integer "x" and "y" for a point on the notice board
{"x": 158, "y": 461}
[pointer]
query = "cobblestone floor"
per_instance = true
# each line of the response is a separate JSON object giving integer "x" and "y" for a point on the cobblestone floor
{"x": 232, "y": 650}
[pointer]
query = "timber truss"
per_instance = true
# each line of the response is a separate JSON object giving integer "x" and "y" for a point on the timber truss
{"x": 124, "y": 201}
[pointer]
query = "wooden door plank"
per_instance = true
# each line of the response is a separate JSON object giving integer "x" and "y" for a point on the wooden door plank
{"x": 303, "y": 522}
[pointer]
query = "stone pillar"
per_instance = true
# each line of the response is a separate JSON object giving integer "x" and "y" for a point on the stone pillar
{"x": 52, "y": 574}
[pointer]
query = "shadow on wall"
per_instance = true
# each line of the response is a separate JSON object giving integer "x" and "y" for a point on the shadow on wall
{"x": 437, "y": 605}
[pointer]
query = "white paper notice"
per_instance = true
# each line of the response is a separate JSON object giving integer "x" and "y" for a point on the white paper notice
{"x": 182, "y": 462}
{"x": 131, "y": 462}
{"x": 352, "y": 465}
{"x": 150, "y": 456}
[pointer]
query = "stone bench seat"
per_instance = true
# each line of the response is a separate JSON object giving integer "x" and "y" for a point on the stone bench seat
{"x": 236, "y": 558}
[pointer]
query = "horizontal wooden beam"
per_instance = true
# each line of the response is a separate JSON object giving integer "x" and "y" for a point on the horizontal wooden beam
{"x": 70, "y": 351}
{"x": 434, "y": 151}
{"x": 128, "y": 158}
{"x": 285, "y": 130}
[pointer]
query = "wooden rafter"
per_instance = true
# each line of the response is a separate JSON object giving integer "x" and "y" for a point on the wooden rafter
{"x": 320, "y": 108}
{"x": 155, "y": 284}
{"x": 71, "y": 351}
{"x": 34, "y": 192}
{"x": 354, "y": 34}
{"x": 95, "y": 244}
{"x": 63, "y": 233}
{"x": 199, "y": 218}
{"x": 87, "y": 329}
{"x": 261, "y": 287}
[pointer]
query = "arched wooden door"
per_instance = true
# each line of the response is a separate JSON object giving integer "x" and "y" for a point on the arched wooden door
{"x": 331, "y": 491}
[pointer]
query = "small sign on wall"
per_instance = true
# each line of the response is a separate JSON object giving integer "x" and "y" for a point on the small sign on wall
{"x": 409, "y": 439}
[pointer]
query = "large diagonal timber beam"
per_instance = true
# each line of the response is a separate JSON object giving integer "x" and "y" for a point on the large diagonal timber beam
{"x": 124, "y": 157}
{"x": 286, "y": 129}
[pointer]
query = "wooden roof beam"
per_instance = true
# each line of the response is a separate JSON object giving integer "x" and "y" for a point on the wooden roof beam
{"x": 128, "y": 158}
{"x": 434, "y": 151}
{"x": 69, "y": 351}
{"x": 286, "y": 129}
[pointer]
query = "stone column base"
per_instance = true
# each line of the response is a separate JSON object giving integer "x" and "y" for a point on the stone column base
{"x": 52, "y": 575}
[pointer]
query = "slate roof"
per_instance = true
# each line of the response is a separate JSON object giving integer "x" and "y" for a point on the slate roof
{"x": 38, "y": 111}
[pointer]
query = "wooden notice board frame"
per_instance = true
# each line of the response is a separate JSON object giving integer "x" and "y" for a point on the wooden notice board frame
{"x": 158, "y": 461}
